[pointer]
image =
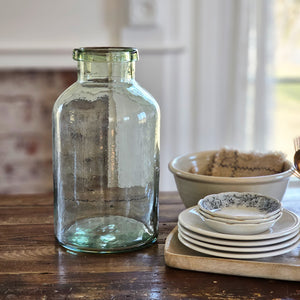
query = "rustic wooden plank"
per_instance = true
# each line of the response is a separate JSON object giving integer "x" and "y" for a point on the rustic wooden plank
{"x": 169, "y": 198}
{"x": 19, "y": 201}
{"x": 158, "y": 283}
{"x": 26, "y": 235}
{"x": 170, "y": 212}
{"x": 31, "y": 234}
{"x": 54, "y": 259}
{"x": 24, "y": 216}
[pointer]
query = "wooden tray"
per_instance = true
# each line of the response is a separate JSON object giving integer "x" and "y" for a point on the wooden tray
{"x": 283, "y": 267}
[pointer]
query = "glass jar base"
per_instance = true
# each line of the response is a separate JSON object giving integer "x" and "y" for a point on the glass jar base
{"x": 108, "y": 234}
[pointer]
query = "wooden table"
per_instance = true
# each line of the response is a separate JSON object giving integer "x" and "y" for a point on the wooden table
{"x": 34, "y": 266}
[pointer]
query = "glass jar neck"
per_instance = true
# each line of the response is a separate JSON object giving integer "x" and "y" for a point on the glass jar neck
{"x": 104, "y": 72}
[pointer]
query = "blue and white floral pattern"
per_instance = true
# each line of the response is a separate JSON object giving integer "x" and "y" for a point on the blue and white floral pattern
{"x": 263, "y": 204}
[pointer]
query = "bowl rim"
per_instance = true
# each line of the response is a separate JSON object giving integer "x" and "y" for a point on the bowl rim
{"x": 232, "y": 217}
{"x": 218, "y": 179}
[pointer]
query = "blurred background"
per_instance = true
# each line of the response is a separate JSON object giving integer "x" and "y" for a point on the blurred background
{"x": 225, "y": 73}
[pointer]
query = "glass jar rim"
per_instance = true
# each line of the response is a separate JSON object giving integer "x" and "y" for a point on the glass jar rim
{"x": 106, "y": 54}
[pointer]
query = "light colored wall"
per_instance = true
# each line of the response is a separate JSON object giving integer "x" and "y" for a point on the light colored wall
{"x": 40, "y": 35}
{"x": 193, "y": 60}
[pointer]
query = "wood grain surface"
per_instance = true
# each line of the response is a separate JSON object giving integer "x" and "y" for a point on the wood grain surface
{"x": 34, "y": 266}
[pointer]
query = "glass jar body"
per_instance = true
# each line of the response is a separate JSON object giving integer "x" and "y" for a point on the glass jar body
{"x": 106, "y": 166}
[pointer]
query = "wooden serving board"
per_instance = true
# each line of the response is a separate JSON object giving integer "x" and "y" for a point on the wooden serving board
{"x": 283, "y": 267}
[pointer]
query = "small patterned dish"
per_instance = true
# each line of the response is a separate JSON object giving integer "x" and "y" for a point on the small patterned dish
{"x": 240, "y": 206}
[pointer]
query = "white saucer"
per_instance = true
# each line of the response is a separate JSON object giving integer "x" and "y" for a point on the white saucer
{"x": 191, "y": 220}
{"x": 244, "y": 243}
{"x": 237, "y": 255}
{"x": 240, "y": 249}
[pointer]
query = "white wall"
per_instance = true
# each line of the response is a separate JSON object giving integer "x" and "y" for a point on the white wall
{"x": 187, "y": 51}
{"x": 42, "y": 34}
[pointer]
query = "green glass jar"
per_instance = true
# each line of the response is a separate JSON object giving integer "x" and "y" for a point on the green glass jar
{"x": 106, "y": 156}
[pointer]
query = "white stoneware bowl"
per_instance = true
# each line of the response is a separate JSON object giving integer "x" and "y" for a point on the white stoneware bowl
{"x": 240, "y": 206}
{"x": 193, "y": 187}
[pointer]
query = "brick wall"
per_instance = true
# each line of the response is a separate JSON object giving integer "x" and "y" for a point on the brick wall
{"x": 26, "y": 100}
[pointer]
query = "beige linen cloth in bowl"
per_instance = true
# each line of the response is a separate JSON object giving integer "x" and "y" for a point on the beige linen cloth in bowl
{"x": 232, "y": 163}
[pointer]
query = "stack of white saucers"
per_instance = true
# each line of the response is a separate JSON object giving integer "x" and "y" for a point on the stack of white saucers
{"x": 197, "y": 228}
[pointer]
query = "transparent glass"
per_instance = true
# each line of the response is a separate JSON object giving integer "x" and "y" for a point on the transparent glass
{"x": 106, "y": 156}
